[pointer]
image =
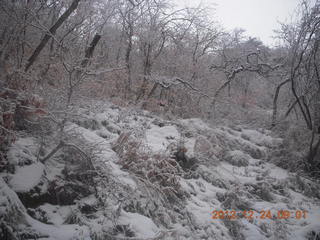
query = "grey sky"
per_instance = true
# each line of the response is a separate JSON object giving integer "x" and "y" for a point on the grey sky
{"x": 258, "y": 17}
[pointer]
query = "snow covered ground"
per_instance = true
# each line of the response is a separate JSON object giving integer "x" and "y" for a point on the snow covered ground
{"x": 231, "y": 174}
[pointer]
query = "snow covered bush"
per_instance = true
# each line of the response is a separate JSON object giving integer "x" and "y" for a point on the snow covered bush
{"x": 12, "y": 212}
{"x": 234, "y": 227}
{"x": 232, "y": 200}
{"x": 313, "y": 235}
{"x": 205, "y": 151}
{"x": 292, "y": 153}
{"x": 157, "y": 169}
{"x": 237, "y": 158}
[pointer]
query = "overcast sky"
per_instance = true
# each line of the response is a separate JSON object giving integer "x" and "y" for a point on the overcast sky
{"x": 258, "y": 17}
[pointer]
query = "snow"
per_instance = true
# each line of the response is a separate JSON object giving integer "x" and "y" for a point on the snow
{"x": 203, "y": 193}
{"x": 312, "y": 221}
{"x": 276, "y": 172}
{"x": 234, "y": 141}
{"x": 60, "y": 232}
{"x": 26, "y": 177}
{"x": 56, "y": 214}
{"x": 252, "y": 232}
{"x": 122, "y": 176}
{"x": 201, "y": 204}
{"x": 189, "y": 144}
{"x": 226, "y": 171}
{"x": 259, "y": 138}
{"x": 159, "y": 138}
{"x": 196, "y": 124}
{"x": 23, "y": 150}
{"x": 9, "y": 199}
{"x": 105, "y": 154}
{"x": 143, "y": 227}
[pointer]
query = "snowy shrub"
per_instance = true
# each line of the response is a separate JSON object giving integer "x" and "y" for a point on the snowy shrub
{"x": 124, "y": 230}
{"x": 212, "y": 178}
{"x": 234, "y": 227}
{"x": 254, "y": 151}
{"x": 158, "y": 169}
{"x": 292, "y": 153}
{"x": 75, "y": 217}
{"x": 303, "y": 185}
{"x": 281, "y": 188}
{"x": 313, "y": 235}
{"x": 232, "y": 200}
{"x": 265, "y": 228}
{"x": 262, "y": 190}
{"x": 180, "y": 155}
{"x": 237, "y": 158}
{"x": 112, "y": 127}
{"x": 39, "y": 214}
{"x": 7, "y": 122}
{"x": 205, "y": 152}
{"x": 89, "y": 124}
{"x": 12, "y": 212}
{"x": 232, "y": 140}
{"x": 279, "y": 230}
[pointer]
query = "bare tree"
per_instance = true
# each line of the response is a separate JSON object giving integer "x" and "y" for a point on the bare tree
{"x": 303, "y": 40}
{"x": 236, "y": 58}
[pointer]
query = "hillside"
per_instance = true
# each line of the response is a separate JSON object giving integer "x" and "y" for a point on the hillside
{"x": 123, "y": 173}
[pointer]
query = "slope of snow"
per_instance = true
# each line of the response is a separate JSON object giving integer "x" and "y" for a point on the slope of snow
{"x": 11, "y": 207}
{"x": 143, "y": 227}
{"x": 26, "y": 177}
{"x": 218, "y": 183}
{"x": 106, "y": 154}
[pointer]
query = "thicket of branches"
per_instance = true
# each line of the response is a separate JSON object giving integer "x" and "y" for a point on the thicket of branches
{"x": 153, "y": 54}
{"x": 301, "y": 76}
{"x": 148, "y": 50}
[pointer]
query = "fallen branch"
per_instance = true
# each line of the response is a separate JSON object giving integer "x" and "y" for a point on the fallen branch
{"x": 61, "y": 145}
{"x": 53, "y": 152}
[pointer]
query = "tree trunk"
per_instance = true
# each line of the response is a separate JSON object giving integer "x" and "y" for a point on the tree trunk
{"x": 128, "y": 60}
{"x": 89, "y": 50}
{"x": 275, "y": 100}
{"x": 146, "y": 72}
{"x": 75, "y": 77}
{"x": 52, "y": 31}
{"x": 317, "y": 112}
{"x": 314, "y": 148}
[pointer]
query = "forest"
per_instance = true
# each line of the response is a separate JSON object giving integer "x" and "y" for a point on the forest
{"x": 145, "y": 120}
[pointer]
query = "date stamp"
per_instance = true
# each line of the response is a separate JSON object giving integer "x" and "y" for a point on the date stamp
{"x": 263, "y": 214}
